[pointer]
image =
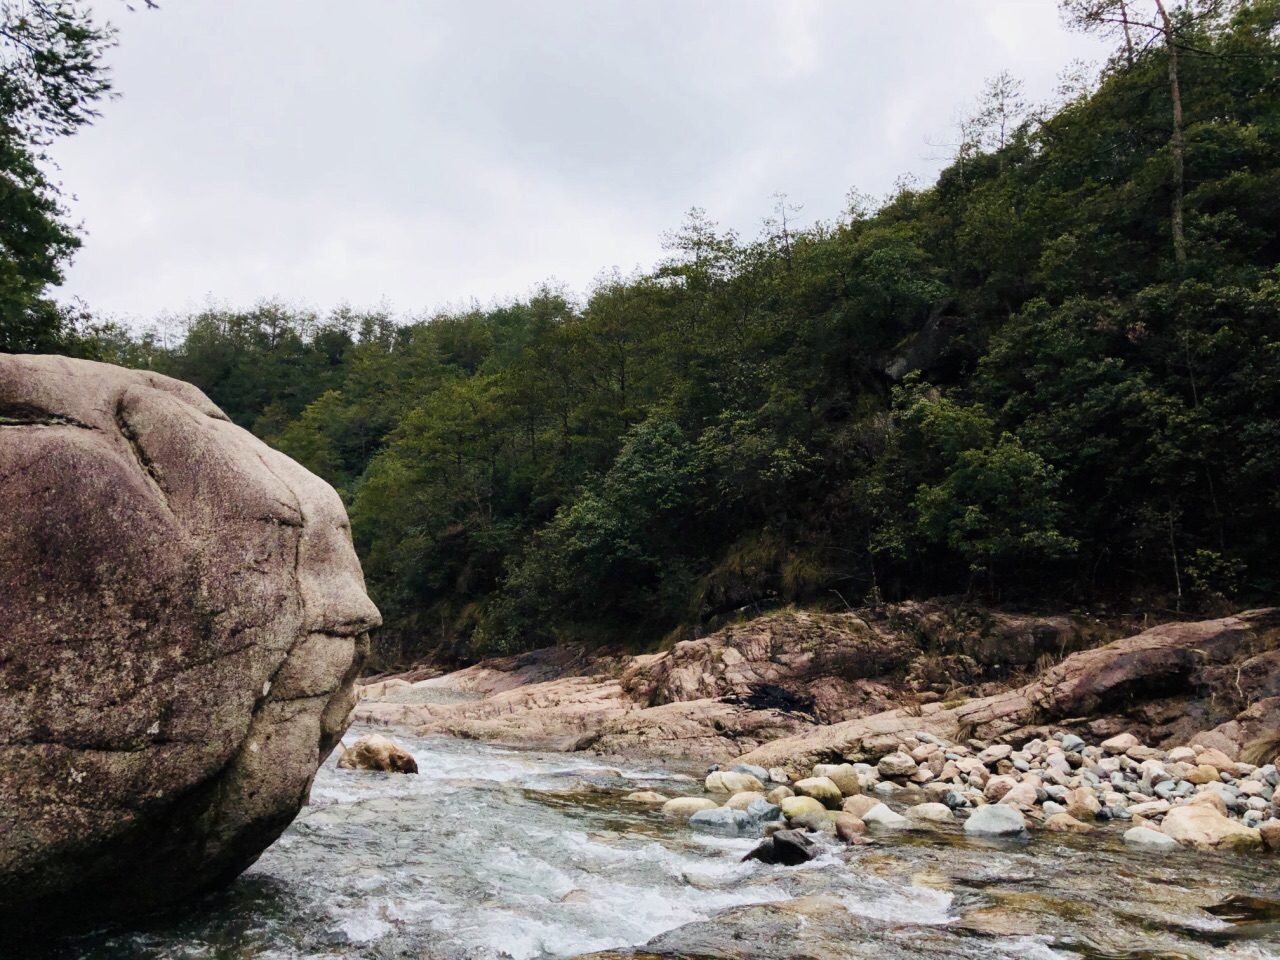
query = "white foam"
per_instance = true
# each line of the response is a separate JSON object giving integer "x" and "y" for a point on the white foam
{"x": 880, "y": 900}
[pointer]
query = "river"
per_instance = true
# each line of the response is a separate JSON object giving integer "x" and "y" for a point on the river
{"x": 499, "y": 854}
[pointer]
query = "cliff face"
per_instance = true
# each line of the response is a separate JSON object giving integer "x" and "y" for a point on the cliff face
{"x": 182, "y": 618}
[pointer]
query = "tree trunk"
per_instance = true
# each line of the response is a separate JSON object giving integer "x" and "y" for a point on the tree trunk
{"x": 1177, "y": 146}
{"x": 1128, "y": 35}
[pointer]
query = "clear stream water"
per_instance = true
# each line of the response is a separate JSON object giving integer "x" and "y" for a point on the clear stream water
{"x": 496, "y": 853}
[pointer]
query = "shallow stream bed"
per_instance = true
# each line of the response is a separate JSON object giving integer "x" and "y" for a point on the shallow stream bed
{"x": 493, "y": 853}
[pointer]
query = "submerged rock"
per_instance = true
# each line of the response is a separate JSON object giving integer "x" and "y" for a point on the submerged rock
{"x": 378, "y": 753}
{"x": 183, "y": 620}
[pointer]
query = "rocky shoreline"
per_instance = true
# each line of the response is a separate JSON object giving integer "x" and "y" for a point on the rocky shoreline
{"x": 1139, "y": 736}
{"x": 1193, "y": 795}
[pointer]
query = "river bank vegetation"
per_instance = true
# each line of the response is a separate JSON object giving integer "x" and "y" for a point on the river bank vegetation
{"x": 1050, "y": 377}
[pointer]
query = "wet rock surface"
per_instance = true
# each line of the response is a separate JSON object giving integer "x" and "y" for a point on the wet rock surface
{"x": 182, "y": 620}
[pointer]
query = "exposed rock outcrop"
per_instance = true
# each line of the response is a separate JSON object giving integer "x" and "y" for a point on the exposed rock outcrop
{"x": 1168, "y": 682}
{"x": 740, "y": 687}
{"x": 182, "y": 619}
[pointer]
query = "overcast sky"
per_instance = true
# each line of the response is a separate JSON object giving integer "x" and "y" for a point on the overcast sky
{"x": 424, "y": 153}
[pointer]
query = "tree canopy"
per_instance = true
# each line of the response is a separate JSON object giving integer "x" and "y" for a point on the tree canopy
{"x": 52, "y": 80}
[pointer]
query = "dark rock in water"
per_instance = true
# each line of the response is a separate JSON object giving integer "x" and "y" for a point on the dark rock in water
{"x": 787, "y": 847}
{"x": 182, "y": 621}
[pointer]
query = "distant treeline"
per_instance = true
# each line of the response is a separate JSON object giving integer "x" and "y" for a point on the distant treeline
{"x": 1053, "y": 376}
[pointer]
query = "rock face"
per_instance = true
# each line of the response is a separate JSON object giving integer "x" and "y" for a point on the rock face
{"x": 713, "y": 698}
{"x": 1168, "y": 680}
{"x": 182, "y": 621}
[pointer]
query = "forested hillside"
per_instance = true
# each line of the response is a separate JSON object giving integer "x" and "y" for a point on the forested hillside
{"x": 1052, "y": 376}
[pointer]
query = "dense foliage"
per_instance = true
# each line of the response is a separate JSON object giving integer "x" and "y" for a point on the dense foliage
{"x": 52, "y": 78}
{"x": 1020, "y": 381}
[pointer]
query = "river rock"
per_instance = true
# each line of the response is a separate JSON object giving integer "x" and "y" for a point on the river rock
{"x": 793, "y": 807}
{"x": 182, "y": 622}
{"x": 1216, "y": 759}
{"x": 1148, "y": 671}
{"x": 820, "y": 789}
{"x": 726, "y": 781}
{"x": 1022, "y": 794}
{"x": 1120, "y": 744}
{"x": 1211, "y": 799}
{"x": 997, "y": 787}
{"x": 936, "y": 812}
{"x": 1152, "y": 808}
{"x": 778, "y": 794}
{"x": 858, "y": 805}
{"x": 1144, "y": 838}
{"x": 896, "y": 765}
{"x": 1269, "y": 830}
{"x": 764, "y": 811}
{"x": 1082, "y": 804}
{"x": 995, "y": 821}
{"x": 1065, "y": 823}
{"x": 993, "y": 755}
{"x": 843, "y": 775}
{"x": 881, "y": 816}
{"x": 823, "y": 821}
{"x": 848, "y": 827}
{"x": 740, "y": 801}
{"x": 1204, "y": 773}
{"x": 1203, "y": 826}
{"x": 751, "y": 770}
{"x": 723, "y": 822}
{"x": 788, "y": 847}
{"x": 686, "y": 807}
{"x": 378, "y": 753}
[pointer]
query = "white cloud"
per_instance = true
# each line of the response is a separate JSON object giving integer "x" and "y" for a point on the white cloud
{"x": 430, "y": 152}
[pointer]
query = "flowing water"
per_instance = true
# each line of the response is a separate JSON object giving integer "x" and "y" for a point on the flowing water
{"x": 494, "y": 853}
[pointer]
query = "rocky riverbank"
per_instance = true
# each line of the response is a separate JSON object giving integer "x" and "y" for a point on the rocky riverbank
{"x": 794, "y": 690}
{"x": 1195, "y": 795}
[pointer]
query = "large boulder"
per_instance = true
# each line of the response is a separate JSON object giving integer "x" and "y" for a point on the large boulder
{"x": 182, "y": 623}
